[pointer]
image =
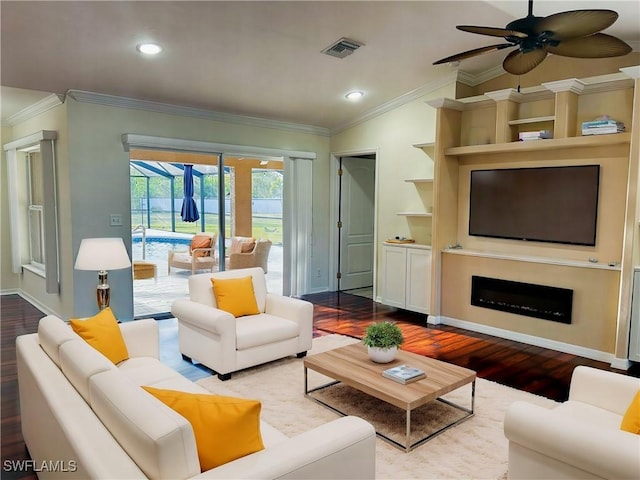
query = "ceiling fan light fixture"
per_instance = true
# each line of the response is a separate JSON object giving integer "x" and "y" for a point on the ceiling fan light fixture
{"x": 354, "y": 95}
{"x": 574, "y": 33}
{"x": 149, "y": 48}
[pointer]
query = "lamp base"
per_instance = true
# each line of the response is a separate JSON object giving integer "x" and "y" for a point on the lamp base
{"x": 103, "y": 292}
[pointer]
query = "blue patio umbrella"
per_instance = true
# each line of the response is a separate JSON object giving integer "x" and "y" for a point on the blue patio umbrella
{"x": 189, "y": 210}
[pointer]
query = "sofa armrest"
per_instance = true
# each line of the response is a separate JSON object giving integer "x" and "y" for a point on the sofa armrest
{"x": 297, "y": 310}
{"x": 290, "y": 308}
{"x": 341, "y": 449}
{"x": 605, "y": 452}
{"x": 141, "y": 337}
{"x": 600, "y": 388}
{"x": 204, "y": 317}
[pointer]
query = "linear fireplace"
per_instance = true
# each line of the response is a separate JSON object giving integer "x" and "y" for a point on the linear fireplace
{"x": 539, "y": 301}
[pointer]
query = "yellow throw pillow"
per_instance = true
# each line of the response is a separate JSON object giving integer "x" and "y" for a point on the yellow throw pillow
{"x": 103, "y": 334}
{"x": 225, "y": 428}
{"x": 631, "y": 418}
{"x": 235, "y": 295}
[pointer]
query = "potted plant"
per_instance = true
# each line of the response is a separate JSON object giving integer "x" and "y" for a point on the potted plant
{"x": 382, "y": 340}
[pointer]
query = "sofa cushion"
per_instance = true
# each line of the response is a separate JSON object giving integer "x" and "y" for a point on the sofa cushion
{"x": 631, "y": 419}
{"x": 225, "y": 428}
{"x": 102, "y": 333}
{"x": 235, "y": 295}
{"x": 256, "y": 330}
{"x": 149, "y": 371}
{"x": 158, "y": 439}
{"x": 53, "y": 332}
{"x": 79, "y": 361}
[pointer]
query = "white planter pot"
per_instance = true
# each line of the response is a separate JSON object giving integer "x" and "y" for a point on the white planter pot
{"x": 382, "y": 355}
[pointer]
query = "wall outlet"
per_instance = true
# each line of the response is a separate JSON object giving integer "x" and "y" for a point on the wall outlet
{"x": 318, "y": 273}
{"x": 115, "y": 220}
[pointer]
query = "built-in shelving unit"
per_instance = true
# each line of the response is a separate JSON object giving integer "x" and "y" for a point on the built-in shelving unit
{"x": 534, "y": 259}
{"x": 415, "y": 214}
{"x": 482, "y": 132}
{"x": 524, "y": 121}
{"x": 544, "y": 144}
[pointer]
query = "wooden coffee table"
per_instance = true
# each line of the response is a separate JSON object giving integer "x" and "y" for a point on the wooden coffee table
{"x": 351, "y": 366}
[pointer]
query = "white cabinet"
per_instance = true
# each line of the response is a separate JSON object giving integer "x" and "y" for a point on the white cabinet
{"x": 406, "y": 274}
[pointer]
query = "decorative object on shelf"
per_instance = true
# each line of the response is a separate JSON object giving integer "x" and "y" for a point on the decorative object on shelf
{"x": 400, "y": 239}
{"x": 602, "y": 125}
{"x": 535, "y": 135}
{"x": 570, "y": 34}
{"x": 102, "y": 254}
{"x": 382, "y": 340}
{"x": 404, "y": 374}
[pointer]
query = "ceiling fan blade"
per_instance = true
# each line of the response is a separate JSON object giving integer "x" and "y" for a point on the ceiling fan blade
{"x": 472, "y": 53}
{"x": 492, "y": 31}
{"x": 598, "y": 45}
{"x": 575, "y": 23}
{"x": 518, "y": 63}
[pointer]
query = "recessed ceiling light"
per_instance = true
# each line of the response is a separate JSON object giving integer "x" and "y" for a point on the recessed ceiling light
{"x": 149, "y": 48}
{"x": 355, "y": 95}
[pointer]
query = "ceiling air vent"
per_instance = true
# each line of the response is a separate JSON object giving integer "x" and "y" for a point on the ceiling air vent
{"x": 342, "y": 48}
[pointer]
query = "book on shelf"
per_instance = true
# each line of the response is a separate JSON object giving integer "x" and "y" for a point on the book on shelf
{"x": 535, "y": 135}
{"x": 601, "y": 123}
{"x": 602, "y": 130}
{"x": 404, "y": 374}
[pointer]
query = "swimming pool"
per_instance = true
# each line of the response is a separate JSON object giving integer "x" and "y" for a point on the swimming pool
{"x": 157, "y": 248}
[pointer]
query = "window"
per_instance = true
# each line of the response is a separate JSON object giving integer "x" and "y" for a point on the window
{"x": 35, "y": 188}
{"x": 32, "y": 206}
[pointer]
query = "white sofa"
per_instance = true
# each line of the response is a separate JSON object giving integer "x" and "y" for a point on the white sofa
{"x": 90, "y": 419}
{"x": 227, "y": 344}
{"x": 580, "y": 438}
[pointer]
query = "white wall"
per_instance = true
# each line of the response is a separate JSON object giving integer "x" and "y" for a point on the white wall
{"x": 28, "y": 283}
{"x": 93, "y": 182}
{"x": 392, "y": 135}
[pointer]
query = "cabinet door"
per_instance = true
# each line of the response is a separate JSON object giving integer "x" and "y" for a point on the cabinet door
{"x": 418, "y": 292}
{"x": 394, "y": 273}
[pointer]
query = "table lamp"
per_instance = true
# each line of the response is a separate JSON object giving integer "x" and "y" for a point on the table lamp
{"x": 102, "y": 254}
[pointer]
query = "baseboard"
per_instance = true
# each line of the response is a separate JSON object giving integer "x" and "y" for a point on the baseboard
{"x": 533, "y": 340}
{"x": 10, "y": 291}
{"x": 43, "y": 308}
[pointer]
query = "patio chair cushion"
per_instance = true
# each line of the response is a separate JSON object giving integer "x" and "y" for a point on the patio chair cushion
{"x": 225, "y": 428}
{"x": 235, "y": 295}
{"x": 200, "y": 241}
{"x": 102, "y": 333}
{"x": 247, "y": 246}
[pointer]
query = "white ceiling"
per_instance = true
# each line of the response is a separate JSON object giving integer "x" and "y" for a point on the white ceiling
{"x": 260, "y": 59}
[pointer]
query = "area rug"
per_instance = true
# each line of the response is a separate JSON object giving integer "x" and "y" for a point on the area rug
{"x": 474, "y": 449}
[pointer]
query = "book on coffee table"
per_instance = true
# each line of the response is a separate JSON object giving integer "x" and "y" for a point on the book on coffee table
{"x": 404, "y": 374}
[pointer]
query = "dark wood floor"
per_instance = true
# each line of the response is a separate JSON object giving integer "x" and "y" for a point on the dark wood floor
{"x": 525, "y": 367}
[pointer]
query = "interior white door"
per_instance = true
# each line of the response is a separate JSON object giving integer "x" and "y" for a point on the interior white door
{"x": 357, "y": 202}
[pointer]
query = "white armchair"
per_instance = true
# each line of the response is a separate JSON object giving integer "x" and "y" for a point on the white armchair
{"x": 581, "y": 438}
{"x": 227, "y": 344}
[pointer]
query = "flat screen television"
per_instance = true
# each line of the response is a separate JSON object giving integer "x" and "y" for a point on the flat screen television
{"x": 544, "y": 204}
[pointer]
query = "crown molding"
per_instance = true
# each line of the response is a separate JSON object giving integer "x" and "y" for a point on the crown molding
{"x": 397, "y": 102}
{"x": 35, "y": 109}
{"x": 200, "y": 113}
{"x": 471, "y": 80}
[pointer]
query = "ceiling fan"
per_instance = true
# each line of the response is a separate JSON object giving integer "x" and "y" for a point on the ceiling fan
{"x": 571, "y": 34}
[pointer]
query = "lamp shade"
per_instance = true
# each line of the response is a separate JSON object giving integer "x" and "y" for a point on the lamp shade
{"x": 102, "y": 254}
